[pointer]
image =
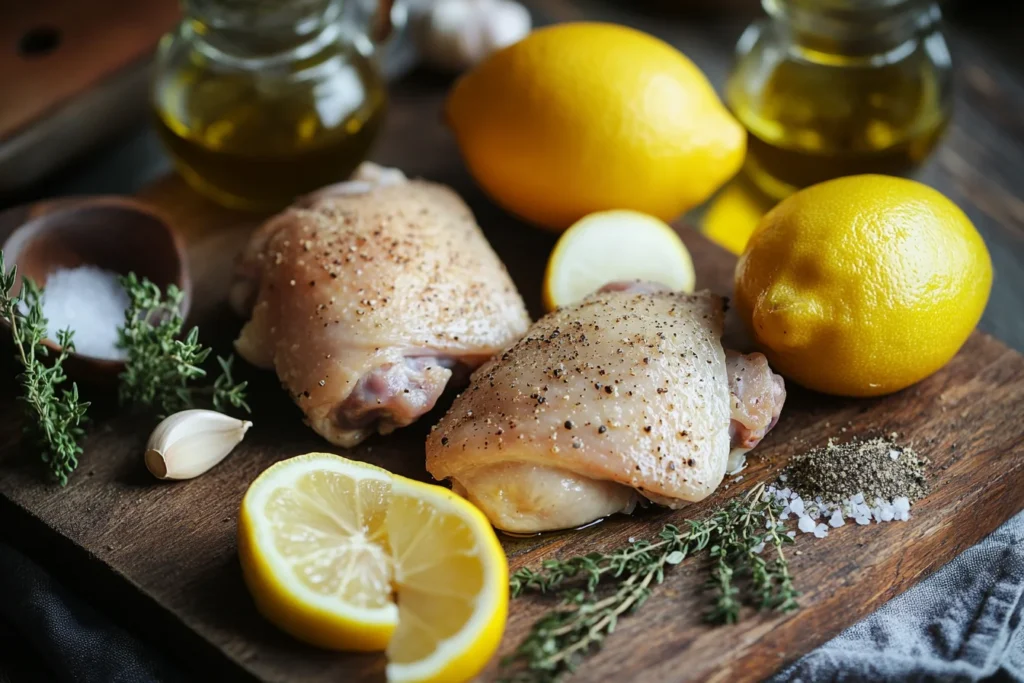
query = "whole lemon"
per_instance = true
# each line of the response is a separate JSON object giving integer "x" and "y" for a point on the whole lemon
{"x": 863, "y": 285}
{"x": 584, "y": 117}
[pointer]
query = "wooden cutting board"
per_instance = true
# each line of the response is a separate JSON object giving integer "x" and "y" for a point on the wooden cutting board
{"x": 71, "y": 74}
{"x": 162, "y": 556}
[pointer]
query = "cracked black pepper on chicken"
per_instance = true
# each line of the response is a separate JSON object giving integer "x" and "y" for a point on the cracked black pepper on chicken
{"x": 627, "y": 395}
{"x": 369, "y": 297}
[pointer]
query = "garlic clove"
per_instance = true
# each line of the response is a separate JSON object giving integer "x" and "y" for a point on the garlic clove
{"x": 188, "y": 443}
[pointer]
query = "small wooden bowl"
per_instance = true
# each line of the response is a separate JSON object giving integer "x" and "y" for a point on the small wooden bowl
{"x": 113, "y": 233}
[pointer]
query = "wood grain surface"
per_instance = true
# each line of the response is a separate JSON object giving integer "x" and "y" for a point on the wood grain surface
{"x": 72, "y": 74}
{"x": 161, "y": 557}
{"x": 53, "y": 51}
{"x": 165, "y": 553}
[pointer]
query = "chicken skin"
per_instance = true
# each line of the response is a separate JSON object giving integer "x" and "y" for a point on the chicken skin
{"x": 626, "y": 396}
{"x": 369, "y": 298}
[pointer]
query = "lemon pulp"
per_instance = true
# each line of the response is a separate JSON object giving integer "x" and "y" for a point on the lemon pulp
{"x": 615, "y": 246}
{"x": 344, "y": 555}
{"x": 332, "y": 530}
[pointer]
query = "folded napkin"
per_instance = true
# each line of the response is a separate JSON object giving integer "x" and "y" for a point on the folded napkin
{"x": 961, "y": 624}
{"x": 47, "y": 634}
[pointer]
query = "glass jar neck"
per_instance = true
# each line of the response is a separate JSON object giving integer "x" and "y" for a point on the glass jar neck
{"x": 853, "y": 28}
{"x": 261, "y": 28}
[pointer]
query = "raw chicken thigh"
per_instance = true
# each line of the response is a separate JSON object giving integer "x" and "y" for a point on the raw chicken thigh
{"x": 368, "y": 297}
{"x": 626, "y": 394}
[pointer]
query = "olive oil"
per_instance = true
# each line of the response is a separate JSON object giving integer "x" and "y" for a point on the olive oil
{"x": 827, "y": 95}
{"x": 807, "y": 126}
{"x": 260, "y": 102}
{"x": 247, "y": 150}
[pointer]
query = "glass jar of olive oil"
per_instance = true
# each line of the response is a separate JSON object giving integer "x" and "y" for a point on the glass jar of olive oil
{"x": 829, "y": 88}
{"x": 259, "y": 101}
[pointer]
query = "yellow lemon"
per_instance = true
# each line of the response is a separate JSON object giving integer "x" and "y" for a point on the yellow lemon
{"x": 347, "y": 556}
{"x": 731, "y": 217}
{"x": 583, "y": 117}
{"x": 863, "y": 285}
{"x": 611, "y": 246}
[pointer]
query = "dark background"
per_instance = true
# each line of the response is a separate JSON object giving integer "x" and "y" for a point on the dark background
{"x": 979, "y": 164}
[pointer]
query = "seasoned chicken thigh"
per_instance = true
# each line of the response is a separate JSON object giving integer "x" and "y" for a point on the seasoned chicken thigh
{"x": 369, "y": 297}
{"x": 627, "y": 394}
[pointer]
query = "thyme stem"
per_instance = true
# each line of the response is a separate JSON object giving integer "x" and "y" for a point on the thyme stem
{"x": 55, "y": 414}
{"x": 734, "y": 536}
{"x": 162, "y": 370}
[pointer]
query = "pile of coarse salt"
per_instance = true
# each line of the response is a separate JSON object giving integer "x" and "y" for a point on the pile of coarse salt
{"x": 809, "y": 512}
{"x": 89, "y": 301}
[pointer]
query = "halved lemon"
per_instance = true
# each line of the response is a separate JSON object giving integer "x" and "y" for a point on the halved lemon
{"x": 611, "y": 246}
{"x": 347, "y": 556}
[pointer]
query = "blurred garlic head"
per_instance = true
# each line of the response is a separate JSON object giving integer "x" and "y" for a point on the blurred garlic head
{"x": 458, "y": 34}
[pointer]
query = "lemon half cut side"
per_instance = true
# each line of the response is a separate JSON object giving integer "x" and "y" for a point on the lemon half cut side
{"x": 612, "y": 246}
{"x": 347, "y": 556}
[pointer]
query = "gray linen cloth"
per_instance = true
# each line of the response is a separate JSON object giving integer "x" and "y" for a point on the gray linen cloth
{"x": 961, "y": 624}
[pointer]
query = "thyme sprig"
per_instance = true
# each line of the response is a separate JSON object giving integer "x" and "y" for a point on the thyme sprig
{"x": 161, "y": 370}
{"x": 734, "y": 536}
{"x": 746, "y": 527}
{"x": 55, "y": 415}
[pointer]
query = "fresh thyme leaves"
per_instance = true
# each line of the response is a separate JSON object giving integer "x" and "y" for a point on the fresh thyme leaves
{"x": 564, "y": 636}
{"x": 55, "y": 417}
{"x": 161, "y": 370}
{"x": 226, "y": 393}
{"x": 745, "y": 528}
{"x": 735, "y": 536}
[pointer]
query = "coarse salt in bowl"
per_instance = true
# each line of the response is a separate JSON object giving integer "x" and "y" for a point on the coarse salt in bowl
{"x": 91, "y": 241}
{"x": 90, "y": 301}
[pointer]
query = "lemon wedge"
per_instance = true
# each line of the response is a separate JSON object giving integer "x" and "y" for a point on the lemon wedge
{"x": 451, "y": 577}
{"x": 610, "y": 246}
{"x": 347, "y": 556}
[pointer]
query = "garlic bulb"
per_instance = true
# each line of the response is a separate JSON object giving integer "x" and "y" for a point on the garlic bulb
{"x": 188, "y": 443}
{"x": 458, "y": 34}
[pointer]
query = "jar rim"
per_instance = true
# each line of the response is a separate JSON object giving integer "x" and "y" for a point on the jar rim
{"x": 855, "y": 26}
{"x": 299, "y": 16}
{"x": 851, "y": 7}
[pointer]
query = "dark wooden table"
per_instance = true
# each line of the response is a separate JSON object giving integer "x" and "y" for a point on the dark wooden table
{"x": 980, "y": 163}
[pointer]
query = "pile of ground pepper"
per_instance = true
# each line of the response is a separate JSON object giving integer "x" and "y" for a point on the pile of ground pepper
{"x": 877, "y": 468}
